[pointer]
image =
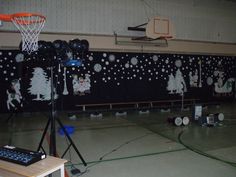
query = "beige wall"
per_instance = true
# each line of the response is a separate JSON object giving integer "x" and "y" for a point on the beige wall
{"x": 11, "y": 40}
{"x": 202, "y": 20}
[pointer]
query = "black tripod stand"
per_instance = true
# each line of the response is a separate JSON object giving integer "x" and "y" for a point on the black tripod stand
{"x": 52, "y": 120}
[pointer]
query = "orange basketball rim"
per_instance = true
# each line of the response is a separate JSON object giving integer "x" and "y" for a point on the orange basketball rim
{"x": 29, "y": 25}
{"x": 10, "y": 17}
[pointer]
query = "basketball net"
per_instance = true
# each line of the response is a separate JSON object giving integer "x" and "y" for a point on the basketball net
{"x": 30, "y": 26}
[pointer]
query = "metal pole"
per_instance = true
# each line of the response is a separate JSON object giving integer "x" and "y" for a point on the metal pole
{"x": 52, "y": 146}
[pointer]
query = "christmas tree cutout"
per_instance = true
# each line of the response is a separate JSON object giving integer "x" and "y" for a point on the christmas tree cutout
{"x": 40, "y": 85}
{"x": 176, "y": 84}
{"x": 171, "y": 84}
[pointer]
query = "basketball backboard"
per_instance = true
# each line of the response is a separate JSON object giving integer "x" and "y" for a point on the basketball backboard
{"x": 159, "y": 27}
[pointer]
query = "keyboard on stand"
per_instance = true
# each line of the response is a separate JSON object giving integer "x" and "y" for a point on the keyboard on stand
{"x": 20, "y": 156}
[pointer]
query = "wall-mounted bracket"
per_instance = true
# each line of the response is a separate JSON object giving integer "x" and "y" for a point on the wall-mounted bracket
{"x": 138, "y": 28}
{"x": 140, "y": 41}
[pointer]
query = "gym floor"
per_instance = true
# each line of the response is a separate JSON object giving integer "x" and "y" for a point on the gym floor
{"x": 136, "y": 144}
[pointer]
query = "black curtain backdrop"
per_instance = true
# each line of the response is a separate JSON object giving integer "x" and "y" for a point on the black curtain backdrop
{"x": 117, "y": 77}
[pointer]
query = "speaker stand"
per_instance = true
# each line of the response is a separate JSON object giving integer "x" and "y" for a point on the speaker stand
{"x": 52, "y": 121}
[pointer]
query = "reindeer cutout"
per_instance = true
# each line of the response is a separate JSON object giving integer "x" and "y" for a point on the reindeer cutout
{"x": 14, "y": 96}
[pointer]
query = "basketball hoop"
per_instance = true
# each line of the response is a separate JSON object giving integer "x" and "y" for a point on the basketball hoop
{"x": 30, "y": 26}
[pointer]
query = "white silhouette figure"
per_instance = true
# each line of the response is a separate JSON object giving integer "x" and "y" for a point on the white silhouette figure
{"x": 15, "y": 95}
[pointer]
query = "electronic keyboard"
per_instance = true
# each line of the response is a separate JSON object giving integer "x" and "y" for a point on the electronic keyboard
{"x": 20, "y": 156}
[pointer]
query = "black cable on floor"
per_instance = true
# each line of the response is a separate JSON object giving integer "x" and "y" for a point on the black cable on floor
{"x": 201, "y": 152}
{"x": 123, "y": 144}
{"x": 108, "y": 153}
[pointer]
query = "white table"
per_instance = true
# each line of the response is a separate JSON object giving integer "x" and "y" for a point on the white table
{"x": 39, "y": 169}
